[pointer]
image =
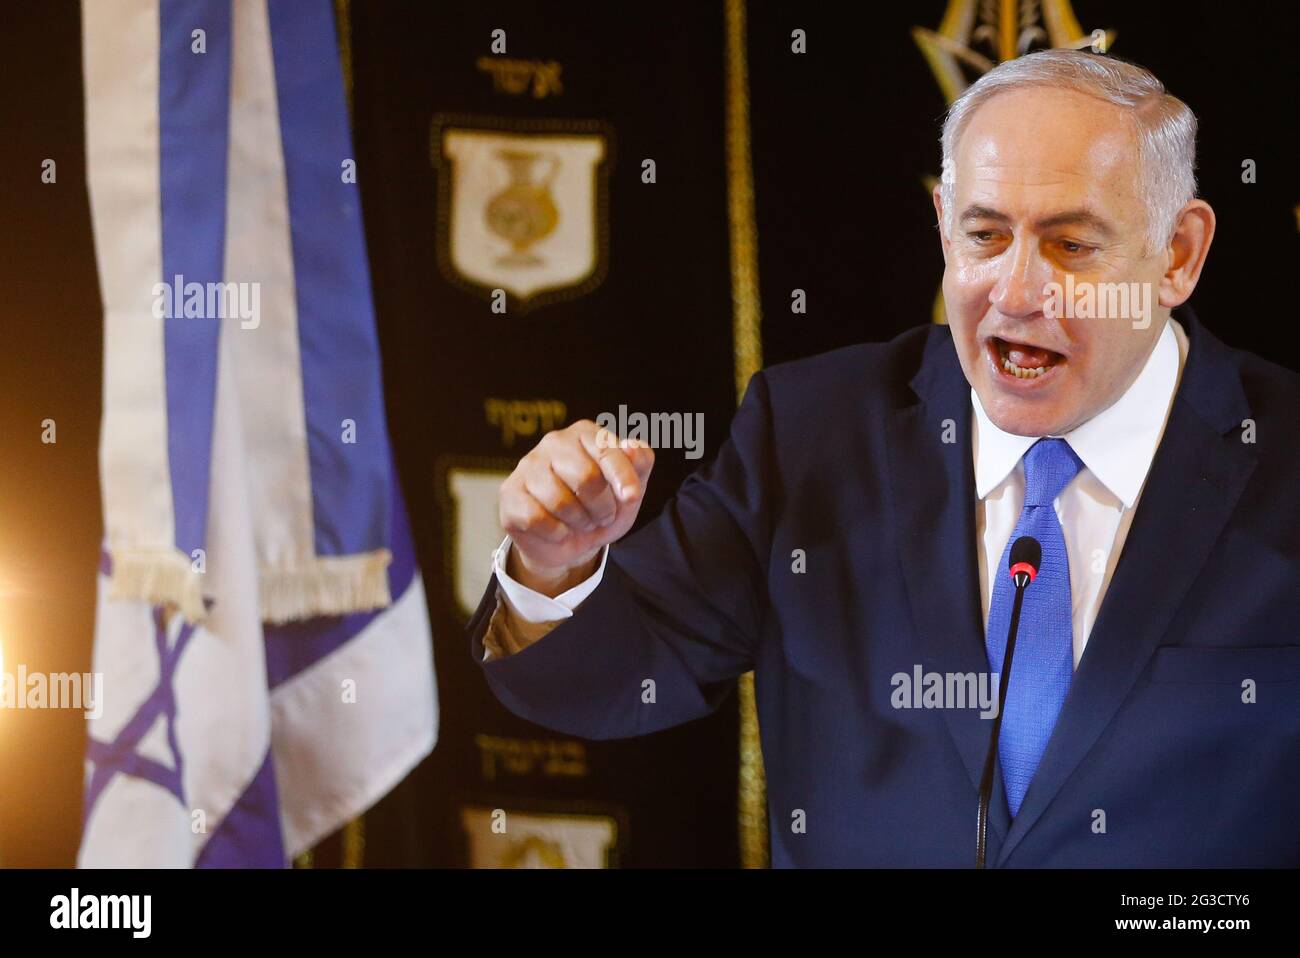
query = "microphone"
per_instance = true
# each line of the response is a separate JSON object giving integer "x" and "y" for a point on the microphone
{"x": 1026, "y": 556}
{"x": 1022, "y": 565}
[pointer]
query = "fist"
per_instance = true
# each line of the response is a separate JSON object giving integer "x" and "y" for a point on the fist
{"x": 577, "y": 491}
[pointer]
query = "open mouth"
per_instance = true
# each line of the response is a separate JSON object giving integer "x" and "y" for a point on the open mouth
{"x": 1023, "y": 360}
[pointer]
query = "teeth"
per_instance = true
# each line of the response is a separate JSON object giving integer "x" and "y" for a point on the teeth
{"x": 1023, "y": 372}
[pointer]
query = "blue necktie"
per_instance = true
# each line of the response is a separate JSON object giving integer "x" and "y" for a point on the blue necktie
{"x": 1043, "y": 662}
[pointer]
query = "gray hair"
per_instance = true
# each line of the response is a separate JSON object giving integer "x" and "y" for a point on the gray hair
{"x": 1165, "y": 127}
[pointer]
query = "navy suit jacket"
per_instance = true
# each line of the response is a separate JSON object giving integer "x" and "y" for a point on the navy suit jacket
{"x": 1159, "y": 756}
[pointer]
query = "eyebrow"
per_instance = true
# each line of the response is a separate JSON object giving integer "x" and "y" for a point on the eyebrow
{"x": 1080, "y": 217}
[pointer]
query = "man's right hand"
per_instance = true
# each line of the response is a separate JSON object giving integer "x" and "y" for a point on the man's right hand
{"x": 577, "y": 491}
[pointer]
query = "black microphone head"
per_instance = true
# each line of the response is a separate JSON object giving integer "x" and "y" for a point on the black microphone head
{"x": 1026, "y": 556}
{"x": 1027, "y": 550}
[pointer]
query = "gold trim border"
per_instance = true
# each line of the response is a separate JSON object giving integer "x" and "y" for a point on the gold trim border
{"x": 354, "y": 843}
{"x": 747, "y": 345}
{"x": 354, "y": 832}
{"x": 343, "y": 25}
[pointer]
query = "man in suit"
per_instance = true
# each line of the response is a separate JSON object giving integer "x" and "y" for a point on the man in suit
{"x": 850, "y": 541}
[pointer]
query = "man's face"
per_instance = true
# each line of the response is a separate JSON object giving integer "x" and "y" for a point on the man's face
{"x": 1047, "y": 184}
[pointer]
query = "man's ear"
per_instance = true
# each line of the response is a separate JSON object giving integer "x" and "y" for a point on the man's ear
{"x": 937, "y": 195}
{"x": 1187, "y": 250}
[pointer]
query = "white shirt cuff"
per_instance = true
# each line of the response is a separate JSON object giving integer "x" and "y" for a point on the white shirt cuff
{"x": 532, "y": 606}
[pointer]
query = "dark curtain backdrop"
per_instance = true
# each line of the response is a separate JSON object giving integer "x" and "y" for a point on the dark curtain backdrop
{"x": 843, "y": 139}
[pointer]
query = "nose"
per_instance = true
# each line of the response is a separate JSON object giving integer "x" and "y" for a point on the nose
{"x": 1018, "y": 292}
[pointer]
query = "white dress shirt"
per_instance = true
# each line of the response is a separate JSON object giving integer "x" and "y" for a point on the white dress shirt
{"x": 1096, "y": 509}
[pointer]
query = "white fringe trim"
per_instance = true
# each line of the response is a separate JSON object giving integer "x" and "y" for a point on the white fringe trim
{"x": 327, "y": 585}
{"x": 159, "y": 578}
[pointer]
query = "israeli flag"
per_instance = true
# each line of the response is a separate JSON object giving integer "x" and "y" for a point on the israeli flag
{"x": 261, "y": 627}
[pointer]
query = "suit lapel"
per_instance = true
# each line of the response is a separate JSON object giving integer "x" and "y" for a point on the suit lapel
{"x": 1196, "y": 478}
{"x": 933, "y": 489}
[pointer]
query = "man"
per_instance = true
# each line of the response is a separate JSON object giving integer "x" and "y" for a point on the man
{"x": 850, "y": 542}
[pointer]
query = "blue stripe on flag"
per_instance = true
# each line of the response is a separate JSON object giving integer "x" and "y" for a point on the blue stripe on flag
{"x": 336, "y": 328}
{"x": 193, "y": 120}
{"x": 249, "y": 835}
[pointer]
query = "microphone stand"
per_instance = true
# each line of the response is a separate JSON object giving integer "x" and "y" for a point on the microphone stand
{"x": 1022, "y": 580}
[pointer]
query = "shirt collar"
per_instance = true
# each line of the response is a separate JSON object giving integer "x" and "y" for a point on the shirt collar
{"x": 1117, "y": 445}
